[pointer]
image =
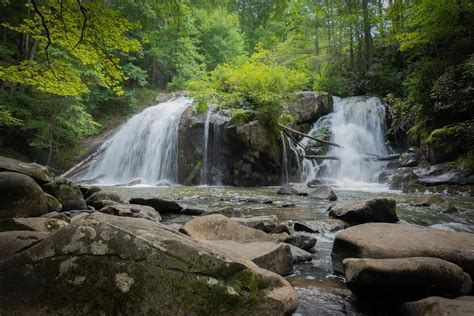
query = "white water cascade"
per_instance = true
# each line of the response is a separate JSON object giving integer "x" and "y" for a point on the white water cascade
{"x": 205, "y": 155}
{"x": 144, "y": 150}
{"x": 358, "y": 125}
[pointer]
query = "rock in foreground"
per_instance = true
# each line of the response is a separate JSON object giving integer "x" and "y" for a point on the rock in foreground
{"x": 461, "y": 306}
{"x": 384, "y": 241}
{"x": 104, "y": 264}
{"x": 67, "y": 192}
{"x": 405, "y": 278}
{"x": 39, "y": 173}
{"x": 376, "y": 210}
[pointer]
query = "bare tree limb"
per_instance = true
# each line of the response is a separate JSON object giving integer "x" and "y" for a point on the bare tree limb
{"x": 83, "y": 11}
{"x": 45, "y": 27}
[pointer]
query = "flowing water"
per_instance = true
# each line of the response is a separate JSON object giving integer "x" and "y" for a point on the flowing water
{"x": 358, "y": 126}
{"x": 321, "y": 292}
{"x": 205, "y": 155}
{"x": 144, "y": 149}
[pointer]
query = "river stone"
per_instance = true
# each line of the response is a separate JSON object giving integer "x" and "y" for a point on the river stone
{"x": 461, "y": 306}
{"x": 385, "y": 241}
{"x": 88, "y": 190}
{"x": 376, "y": 210}
{"x": 328, "y": 224}
{"x": 275, "y": 257}
{"x": 301, "y": 241}
{"x": 266, "y": 223}
{"x": 39, "y": 224}
{"x": 21, "y": 196}
{"x": 322, "y": 192}
{"x": 39, "y": 173}
{"x": 12, "y": 242}
{"x": 228, "y": 211}
{"x": 111, "y": 265}
{"x": 300, "y": 227}
{"x": 53, "y": 204}
{"x": 405, "y": 278}
{"x": 95, "y": 199}
{"x": 287, "y": 189}
{"x": 57, "y": 215}
{"x": 300, "y": 255}
{"x": 100, "y": 204}
{"x": 67, "y": 192}
{"x": 219, "y": 227}
{"x": 132, "y": 210}
{"x": 160, "y": 205}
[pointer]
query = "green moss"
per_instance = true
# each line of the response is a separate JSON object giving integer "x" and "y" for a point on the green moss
{"x": 450, "y": 142}
{"x": 241, "y": 117}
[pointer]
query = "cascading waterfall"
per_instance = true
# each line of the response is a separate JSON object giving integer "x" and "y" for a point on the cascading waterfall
{"x": 145, "y": 149}
{"x": 358, "y": 125}
{"x": 205, "y": 166}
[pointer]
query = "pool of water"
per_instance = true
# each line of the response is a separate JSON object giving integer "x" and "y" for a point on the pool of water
{"x": 321, "y": 292}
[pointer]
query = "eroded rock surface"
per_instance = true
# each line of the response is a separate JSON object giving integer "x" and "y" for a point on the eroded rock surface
{"x": 375, "y": 210}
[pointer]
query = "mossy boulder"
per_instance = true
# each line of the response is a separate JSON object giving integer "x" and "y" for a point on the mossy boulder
{"x": 67, "y": 192}
{"x": 104, "y": 264}
{"x": 21, "y": 196}
{"x": 39, "y": 173}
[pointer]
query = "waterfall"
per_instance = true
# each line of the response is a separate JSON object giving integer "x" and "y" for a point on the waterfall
{"x": 358, "y": 125}
{"x": 284, "y": 160}
{"x": 144, "y": 150}
{"x": 205, "y": 146}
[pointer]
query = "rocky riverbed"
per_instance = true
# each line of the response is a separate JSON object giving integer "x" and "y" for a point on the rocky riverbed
{"x": 228, "y": 250}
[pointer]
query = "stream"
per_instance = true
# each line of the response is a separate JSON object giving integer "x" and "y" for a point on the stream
{"x": 321, "y": 292}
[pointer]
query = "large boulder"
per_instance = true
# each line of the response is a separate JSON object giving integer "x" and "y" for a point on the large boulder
{"x": 375, "y": 210}
{"x": 39, "y": 173}
{"x": 219, "y": 227}
{"x": 12, "y": 242}
{"x": 405, "y": 278}
{"x": 410, "y": 158}
{"x": 275, "y": 257}
{"x": 39, "y": 224}
{"x": 308, "y": 106}
{"x": 266, "y": 223}
{"x": 461, "y": 306}
{"x": 97, "y": 199}
{"x": 319, "y": 192}
{"x": 132, "y": 210}
{"x": 21, "y": 196}
{"x": 444, "y": 174}
{"x": 305, "y": 242}
{"x": 385, "y": 241}
{"x": 67, "y": 192}
{"x": 103, "y": 264}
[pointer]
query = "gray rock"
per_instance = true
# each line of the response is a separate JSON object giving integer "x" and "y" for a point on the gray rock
{"x": 444, "y": 173}
{"x": 322, "y": 192}
{"x": 160, "y": 205}
{"x": 95, "y": 198}
{"x": 300, "y": 227}
{"x": 386, "y": 241}
{"x": 39, "y": 173}
{"x": 411, "y": 158}
{"x": 266, "y": 223}
{"x": 39, "y": 224}
{"x": 219, "y": 227}
{"x": 57, "y": 215}
{"x": 22, "y": 197}
{"x": 226, "y": 211}
{"x": 99, "y": 204}
{"x": 132, "y": 210}
{"x": 275, "y": 257}
{"x": 376, "y": 210}
{"x": 88, "y": 190}
{"x": 308, "y": 106}
{"x": 301, "y": 241}
{"x": 287, "y": 189}
{"x": 461, "y": 306}
{"x": 405, "y": 278}
{"x": 53, "y": 204}
{"x": 67, "y": 192}
{"x": 13, "y": 242}
{"x": 328, "y": 225}
{"x": 300, "y": 255}
{"x": 104, "y": 264}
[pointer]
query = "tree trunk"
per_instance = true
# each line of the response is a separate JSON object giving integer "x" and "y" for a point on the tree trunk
{"x": 367, "y": 35}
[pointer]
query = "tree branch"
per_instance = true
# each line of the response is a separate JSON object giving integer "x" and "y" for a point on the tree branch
{"x": 83, "y": 11}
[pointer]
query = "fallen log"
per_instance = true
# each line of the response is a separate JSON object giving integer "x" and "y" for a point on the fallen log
{"x": 82, "y": 163}
{"x": 366, "y": 158}
{"x": 310, "y": 137}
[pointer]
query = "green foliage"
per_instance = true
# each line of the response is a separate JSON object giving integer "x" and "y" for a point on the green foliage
{"x": 6, "y": 118}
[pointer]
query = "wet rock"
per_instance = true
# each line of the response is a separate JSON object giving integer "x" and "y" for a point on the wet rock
{"x": 405, "y": 278}
{"x": 99, "y": 204}
{"x": 329, "y": 224}
{"x": 385, "y": 241}
{"x": 267, "y": 223}
{"x": 22, "y": 197}
{"x": 67, "y": 192}
{"x": 444, "y": 173}
{"x": 461, "y": 306}
{"x": 160, "y": 205}
{"x": 53, "y": 204}
{"x": 88, "y": 190}
{"x": 39, "y": 224}
{"x": 271, "y": 256}
{"x": 57, "y": 215}
{"x": 308, "y": 106}
{"x": 96, "y": 199}
{"x": 287, "y": 189}
{"x": 192, "y": 210}
{"x": 301, "y": 241}
{"x": 39, "y": 173}
{"x": 437, "y": 203}
{"x": 401, "y": 179}
{"x": 132, "y": 210}
{"x": 104, "y": 264}
{"x": 300, "y": 227}
{"x": 411, "y": 158}
{"x": 375, "y": 210}
{"x": 300, "y": 255}
{"x": 323, "y": 192}
{"x": 13, "y": 242}
{"x": 219, "y": 227}
{"x": 288, "y": 204}
{"x": 226, "y": 211}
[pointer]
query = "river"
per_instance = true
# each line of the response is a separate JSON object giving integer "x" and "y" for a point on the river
{"x": 321, "y": 292}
